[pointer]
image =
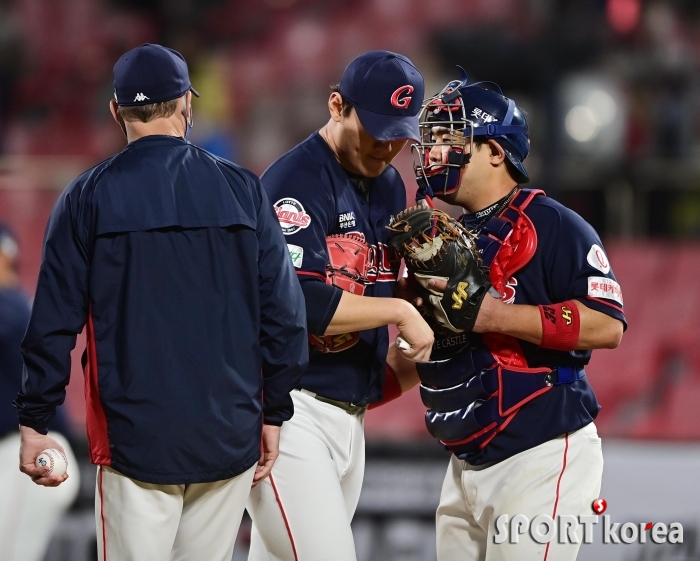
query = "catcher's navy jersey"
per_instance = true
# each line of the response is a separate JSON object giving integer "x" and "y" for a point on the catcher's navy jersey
{"x": 569, "y": 263}
{"x": 314, "y": 198}
{"x": 175, "y": 261}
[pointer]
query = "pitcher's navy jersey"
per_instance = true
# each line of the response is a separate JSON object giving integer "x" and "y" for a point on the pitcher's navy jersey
{"x": 175, "y": 261}
{"x": 314, "y": 198}
{"x": 569, "y": 263}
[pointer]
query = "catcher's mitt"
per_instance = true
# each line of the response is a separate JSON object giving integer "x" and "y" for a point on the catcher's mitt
{"x": 435, "y": 246}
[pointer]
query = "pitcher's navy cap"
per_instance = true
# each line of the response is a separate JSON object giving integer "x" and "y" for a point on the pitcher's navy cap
{"x": 150, "y": 74}
{"x": 387, "y": 92}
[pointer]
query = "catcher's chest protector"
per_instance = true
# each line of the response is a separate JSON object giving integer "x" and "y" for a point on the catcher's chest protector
{"x": 475, "y": 395}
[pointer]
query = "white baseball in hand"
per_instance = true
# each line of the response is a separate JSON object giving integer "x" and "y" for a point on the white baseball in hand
{"x": 54, "y": 460}
{"x": 402, "y": 344}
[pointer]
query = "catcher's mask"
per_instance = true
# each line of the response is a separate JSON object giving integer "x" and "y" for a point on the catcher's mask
{"x": 464, "y": 112}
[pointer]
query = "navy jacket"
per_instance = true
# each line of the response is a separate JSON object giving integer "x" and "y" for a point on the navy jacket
{"x": 174, "y": 260}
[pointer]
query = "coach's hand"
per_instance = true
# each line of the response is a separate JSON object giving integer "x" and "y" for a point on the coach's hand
{"x": 270, "y": 451}
{"x": 416, "y": 332}
{"x": 31, "y": 445}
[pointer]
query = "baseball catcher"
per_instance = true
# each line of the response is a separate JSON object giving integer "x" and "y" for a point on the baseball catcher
{"x": 519, "y": 292}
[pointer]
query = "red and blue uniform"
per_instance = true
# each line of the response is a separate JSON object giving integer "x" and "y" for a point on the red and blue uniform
{"x": 315, "y": 197}
{"x": 499, "y": 395}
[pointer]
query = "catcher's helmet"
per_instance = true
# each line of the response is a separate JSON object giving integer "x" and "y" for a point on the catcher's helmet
{"x": 475, "y": 111}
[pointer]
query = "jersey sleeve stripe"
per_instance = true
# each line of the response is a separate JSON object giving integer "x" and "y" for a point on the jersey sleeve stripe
{"x": 606, "y": 303}
{"x": 311, "y": 274}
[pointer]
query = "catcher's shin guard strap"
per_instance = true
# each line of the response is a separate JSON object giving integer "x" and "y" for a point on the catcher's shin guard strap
{"x": 561, "y": 324}
{"x": 390, "y": 390}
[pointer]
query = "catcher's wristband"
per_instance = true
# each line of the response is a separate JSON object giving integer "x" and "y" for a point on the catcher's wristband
{"x": 561, "y": 324}
{"x": 390, "y": 390}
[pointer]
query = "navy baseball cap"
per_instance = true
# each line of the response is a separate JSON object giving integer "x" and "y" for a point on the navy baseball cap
{"x": 387, "y": 92}
{"x": 150, "y": 74}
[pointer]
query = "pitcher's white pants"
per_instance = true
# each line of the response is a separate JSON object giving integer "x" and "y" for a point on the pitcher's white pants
{"x": 29, "y": 512}
{"x": 562, "y": 476}
{"x": 302, "y": 512}
{"x": 139, "y": 521}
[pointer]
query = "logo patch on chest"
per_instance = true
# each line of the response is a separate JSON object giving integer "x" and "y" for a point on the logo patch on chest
{"x": 346, "y": 220}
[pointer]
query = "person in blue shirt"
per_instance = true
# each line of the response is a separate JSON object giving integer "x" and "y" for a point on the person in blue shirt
{"x": 334, "y": 194}
{"x": 173, "y": 261}
{"x": 28, "y": 513}
{"x": 511, "y": 400}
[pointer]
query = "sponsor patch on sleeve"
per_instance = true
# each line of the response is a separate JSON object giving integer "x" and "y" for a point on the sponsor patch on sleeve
{"x": 296, "y": 253}
{"x": 603, "y": 287}
{"x": 291, "y": 215}
{"x": 597, "y": 259}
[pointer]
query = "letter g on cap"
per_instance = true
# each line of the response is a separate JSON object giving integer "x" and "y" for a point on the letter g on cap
{"x": 403, "y": 102}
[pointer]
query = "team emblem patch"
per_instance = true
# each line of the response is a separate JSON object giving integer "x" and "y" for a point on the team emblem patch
{"x": 603, "y": 287}
{"x": 597, "y": 259}
{"x": 296, "y": 253}
{"x": 292, "y": 216}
